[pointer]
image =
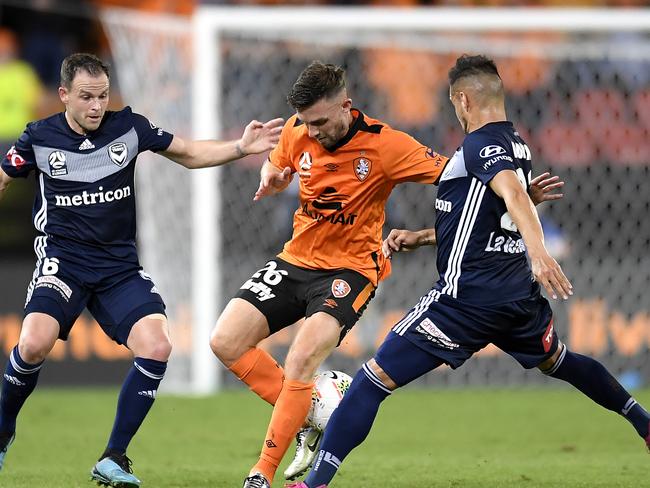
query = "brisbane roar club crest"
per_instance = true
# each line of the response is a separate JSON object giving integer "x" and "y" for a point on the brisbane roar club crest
{"x": 340, "y": 288}
{"x": 118, "y": 153}
{"x": 362, "y": 168}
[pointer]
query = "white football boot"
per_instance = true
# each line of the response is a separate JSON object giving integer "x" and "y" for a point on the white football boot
{"x": 307, "y": 442}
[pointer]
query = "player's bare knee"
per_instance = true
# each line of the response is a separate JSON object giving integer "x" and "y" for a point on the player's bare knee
{"x": 381, "y": 374}
{"x": 161, "y": 349}
{"x": 226, "y": 346}
{"x": 32, "y": 349}
{"x": 550, "y": 362}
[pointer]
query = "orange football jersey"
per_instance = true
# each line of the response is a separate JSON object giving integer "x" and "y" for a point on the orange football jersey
{"x": 343, "y": 192}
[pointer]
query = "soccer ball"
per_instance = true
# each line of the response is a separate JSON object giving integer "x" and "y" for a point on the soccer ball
{"x": 329, "y": 388}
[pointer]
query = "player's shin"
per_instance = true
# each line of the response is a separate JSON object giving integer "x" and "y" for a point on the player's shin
{"x": 349, "y": 426}
{"x": 19, "y": 381}
{"x": 592, "y": 379}
{"x": 136, "y": 398}
{"x": 261, "y": 373}
{"x": 288, "y": 416}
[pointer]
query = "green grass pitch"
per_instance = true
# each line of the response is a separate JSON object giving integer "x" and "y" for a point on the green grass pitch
{"x": 422, "y": 438}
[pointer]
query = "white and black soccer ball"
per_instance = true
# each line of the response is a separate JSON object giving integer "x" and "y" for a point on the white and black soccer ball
{"x": 328, "y": 391}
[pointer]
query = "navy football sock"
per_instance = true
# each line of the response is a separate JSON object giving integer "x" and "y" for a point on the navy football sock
{"x": 136, "y": 398}
{"x": 592, "y": 379}
{"x": 18, "y": 383}
{"x": 349, "y": 426}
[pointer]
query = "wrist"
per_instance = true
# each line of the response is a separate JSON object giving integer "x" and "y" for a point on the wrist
{"x": 240, "y": 150}
{"x": 425, "y": 238}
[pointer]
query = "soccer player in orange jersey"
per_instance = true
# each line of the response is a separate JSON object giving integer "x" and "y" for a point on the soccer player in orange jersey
{"x": 348, "y": 164}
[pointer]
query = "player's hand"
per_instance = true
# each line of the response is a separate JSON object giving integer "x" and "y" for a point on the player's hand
{"x": 542, "y": 186}
{"x": 272, "y": 182}
{"x": 548, "y": 273}
{"x": 401, "y": 240}
{"x": 259, "y": 137}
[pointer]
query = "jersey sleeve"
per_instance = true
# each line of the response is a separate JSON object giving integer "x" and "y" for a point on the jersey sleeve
{"x": 280, "y": 156}
{"x": 150, "y": 137}
{"x": 485, "y": 157}
{"x": 20, "y": 160}
{"x": 405, "y": 159}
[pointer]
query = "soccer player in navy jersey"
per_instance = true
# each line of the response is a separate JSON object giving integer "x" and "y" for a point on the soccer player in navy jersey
{"x": 487, "y": 291}
{"x": 84, "y": 212}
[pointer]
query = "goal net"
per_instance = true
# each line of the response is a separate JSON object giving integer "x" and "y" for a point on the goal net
{"x": 577, "y": 89}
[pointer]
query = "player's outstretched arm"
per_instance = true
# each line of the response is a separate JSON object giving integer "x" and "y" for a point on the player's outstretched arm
{"x": 272, "y": 180}
{"x": 5, "y": 179}
{"x": 522, "y": 211}
{"x": 542, "y": 186}
{"x": 407, "y": 240}
{"x": 258, "y": 137}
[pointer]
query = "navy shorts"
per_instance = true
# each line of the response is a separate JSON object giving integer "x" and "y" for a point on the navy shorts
{"x": 116, "y": 293}
{"x": 285, "y": 293}
{"x": 452, "y": 331}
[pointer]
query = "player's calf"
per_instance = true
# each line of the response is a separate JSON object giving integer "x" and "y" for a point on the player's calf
{"x": 592, "y": 378}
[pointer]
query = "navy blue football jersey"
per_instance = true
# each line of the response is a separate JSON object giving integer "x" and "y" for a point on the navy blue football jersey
{"x": 481, "y": 255}
{"x": 85, "y": 183}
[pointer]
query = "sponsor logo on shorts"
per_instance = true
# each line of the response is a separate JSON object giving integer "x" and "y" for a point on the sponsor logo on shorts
{"x": 330, "y": 303}
{"x": 547, "y": 338}
{"x": 340, "y": 288}
{"x": 362, "y": 168}
{"x": 270, "y": 276}
{"x": 54, "y": 283}
{"x": 434, "y": 334}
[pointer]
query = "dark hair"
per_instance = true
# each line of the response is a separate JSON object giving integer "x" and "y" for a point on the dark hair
{"x": 89, "y": 63}
{"x": 317, "y": 81}
{"x": 468, "y": 65}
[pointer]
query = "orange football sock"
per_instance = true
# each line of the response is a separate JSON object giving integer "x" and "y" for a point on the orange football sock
{"x": 261, "y": 373}
{"x": 288, "y": 416}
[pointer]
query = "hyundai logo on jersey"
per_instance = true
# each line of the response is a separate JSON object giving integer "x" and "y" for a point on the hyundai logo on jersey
{"x": 489, "y": 151}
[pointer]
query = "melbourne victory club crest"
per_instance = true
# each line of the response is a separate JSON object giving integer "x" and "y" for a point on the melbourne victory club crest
{"x": 340, "y": 288}
{"x": 362, "y": 167}
{"x": 58, "y": 166}
{"x": 118, "y": 153}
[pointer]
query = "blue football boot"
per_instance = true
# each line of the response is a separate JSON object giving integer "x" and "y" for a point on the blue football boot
{"x": 5, "y": 442}
{"x": 114, "y": 469}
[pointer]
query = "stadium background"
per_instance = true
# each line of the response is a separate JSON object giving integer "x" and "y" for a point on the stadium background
{"x": 581, "y": 100}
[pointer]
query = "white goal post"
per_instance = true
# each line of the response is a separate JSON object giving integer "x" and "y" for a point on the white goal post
{"x": 227, "y": 40}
